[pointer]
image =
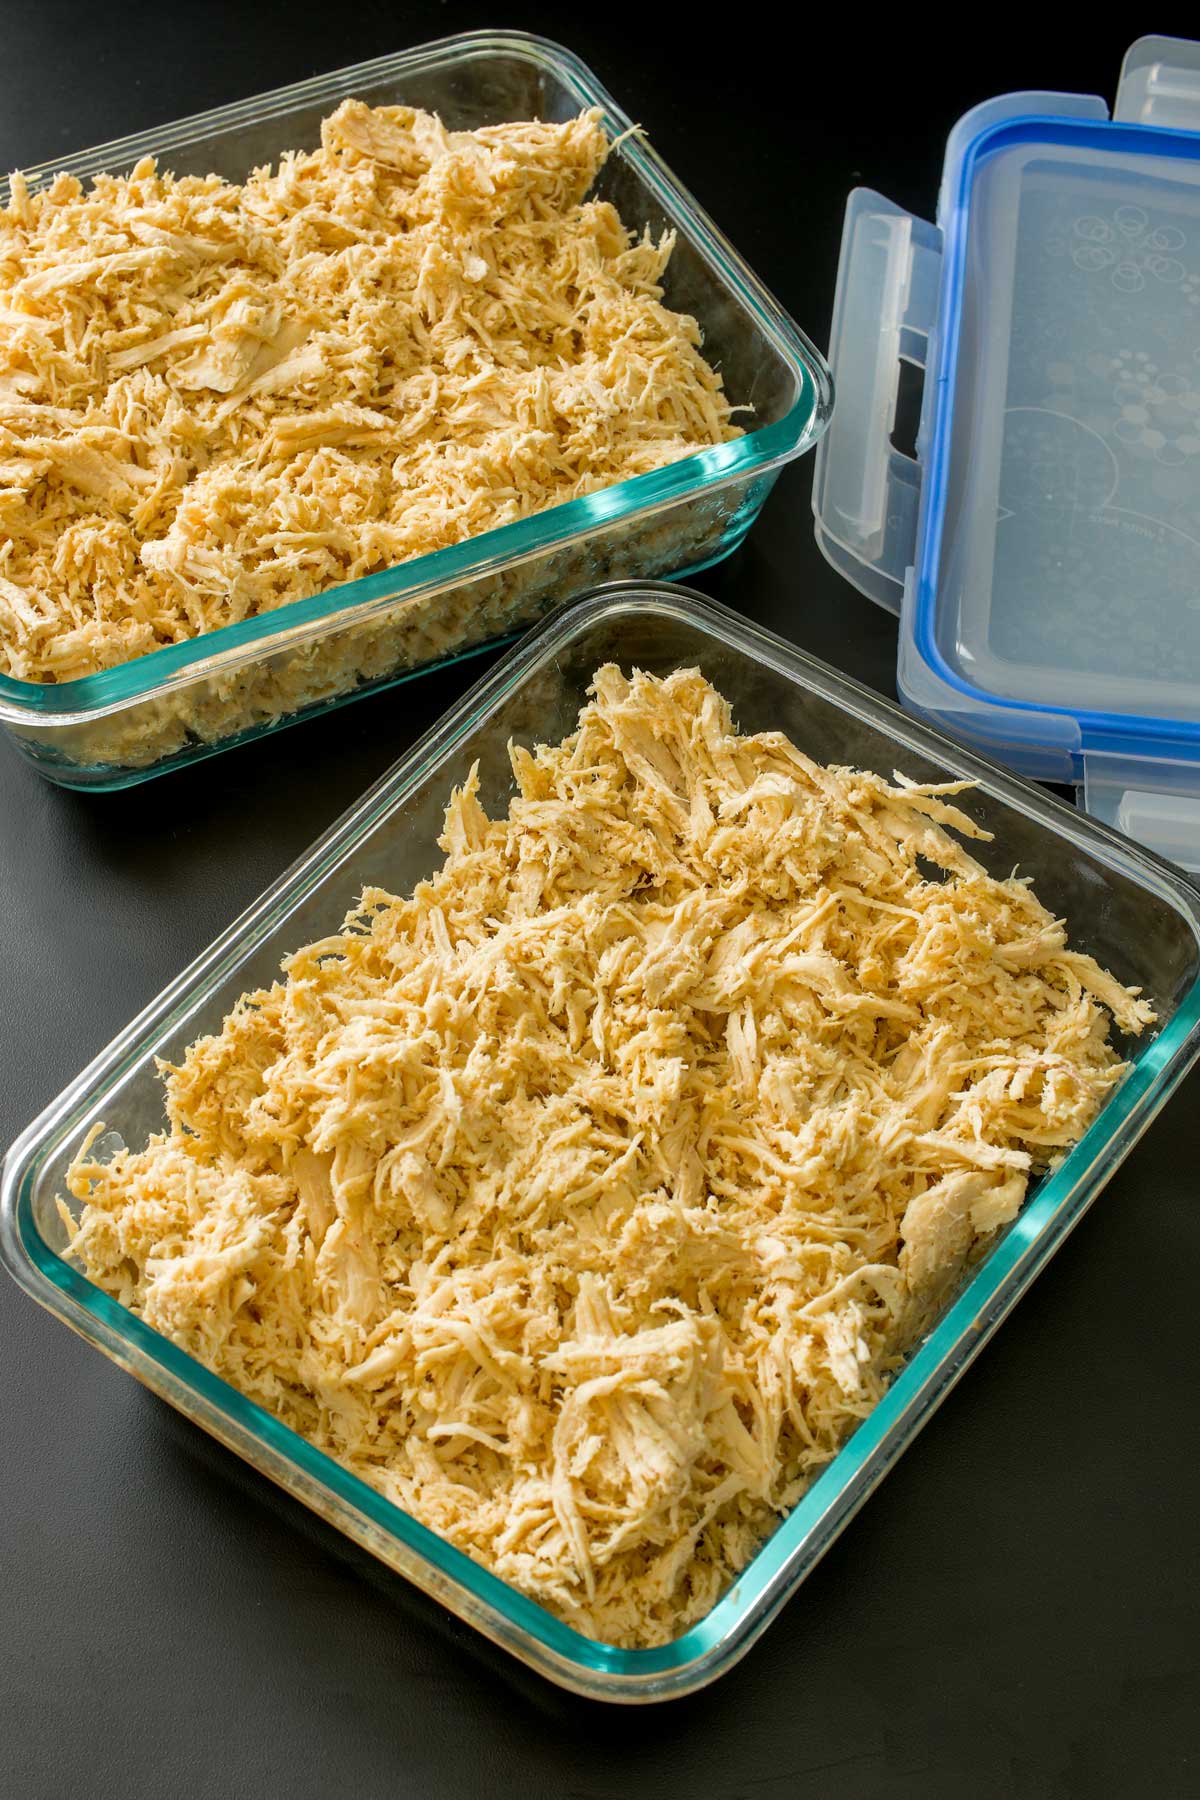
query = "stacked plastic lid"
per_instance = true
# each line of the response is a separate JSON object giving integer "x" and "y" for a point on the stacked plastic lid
{"x": 1043, "y": 547}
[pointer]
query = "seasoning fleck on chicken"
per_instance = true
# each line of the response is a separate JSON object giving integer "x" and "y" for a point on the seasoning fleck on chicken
{"x": 216, "y": 399}
{"x": 585, "y": 1201}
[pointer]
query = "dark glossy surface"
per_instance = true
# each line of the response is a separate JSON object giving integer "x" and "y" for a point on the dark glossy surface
{"x": 1016, "y": 1612}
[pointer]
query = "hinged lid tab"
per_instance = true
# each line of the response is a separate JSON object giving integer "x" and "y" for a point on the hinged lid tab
{"x": 866, "y": 493}
{"x": 1151, "y": 799}
{"x": 1160, "y": 84}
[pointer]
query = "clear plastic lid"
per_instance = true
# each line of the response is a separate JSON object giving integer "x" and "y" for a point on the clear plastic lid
{"x": 1044, "y": 544}
{"x": 1070, "y": 546}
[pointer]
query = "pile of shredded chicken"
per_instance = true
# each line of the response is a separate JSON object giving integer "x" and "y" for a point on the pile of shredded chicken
{"x": 585, "y": 1201}
{"x": 215, "y": 399}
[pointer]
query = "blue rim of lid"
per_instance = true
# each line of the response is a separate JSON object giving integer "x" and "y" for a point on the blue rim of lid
{"x": 1099, "y": 730}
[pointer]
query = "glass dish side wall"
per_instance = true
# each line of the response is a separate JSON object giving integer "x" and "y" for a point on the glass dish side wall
{"x": 232, "y": 685}
{"x": 336, "y": 661}
{"x": 1129, "y": 911}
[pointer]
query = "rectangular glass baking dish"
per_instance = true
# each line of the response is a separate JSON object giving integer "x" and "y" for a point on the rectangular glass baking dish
{"x": 190, "y": 700}
{"x": 1133, "y": 912}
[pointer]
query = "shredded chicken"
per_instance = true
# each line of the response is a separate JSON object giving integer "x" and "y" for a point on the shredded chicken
{"x": 585, "y": 1201}
{"x": 215, "y": 399}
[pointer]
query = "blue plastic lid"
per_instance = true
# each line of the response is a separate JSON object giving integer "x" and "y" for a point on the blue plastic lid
{"x": 1044, "y": 545}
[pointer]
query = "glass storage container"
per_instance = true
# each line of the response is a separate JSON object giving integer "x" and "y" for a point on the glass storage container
{"x": 189, "y": 700}
{"x": 1132, "y": 911}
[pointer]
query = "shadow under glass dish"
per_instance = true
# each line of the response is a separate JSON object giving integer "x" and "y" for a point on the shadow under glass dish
{"x": 1122, "y": 905}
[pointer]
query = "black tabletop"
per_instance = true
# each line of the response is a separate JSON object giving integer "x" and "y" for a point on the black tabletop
{"x": 1016, "y": 1612}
